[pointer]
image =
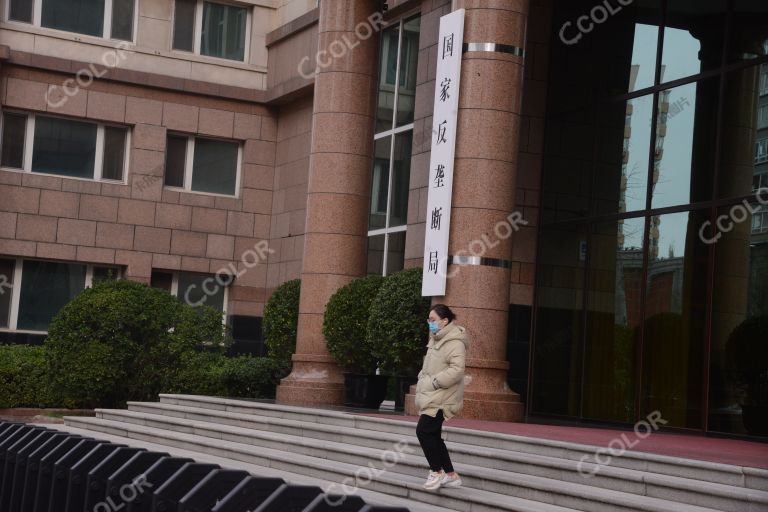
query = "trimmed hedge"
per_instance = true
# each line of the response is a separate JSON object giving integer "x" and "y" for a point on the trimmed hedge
{"x": 122, "y": 340}
{"x": 345, "y": 325}
{"x": 211, "y": 373}
{"x": 397, "y": 327}
{"x": 281, "y": 319}
{"x": 23, "y": 380}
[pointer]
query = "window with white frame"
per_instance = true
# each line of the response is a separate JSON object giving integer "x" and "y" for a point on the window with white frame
{"x": 111, "y": 19}
{"x": 760, "y": 221}
{"x": 388, "y": 217}
{"x": 214, "y": 29}
{"x": 761, "y": 151}
{"x": 200, "y": 164}
{"x": 33, "y": 291}
{"x": 760, "y": 181}
{"x": 193, "y": 288}
{"x": 63, "y": 147}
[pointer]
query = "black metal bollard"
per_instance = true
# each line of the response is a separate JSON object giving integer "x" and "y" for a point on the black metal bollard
{"x": 20, "y": 468}
{"x": 11, "y": 438}
{"x": 291, "y": 498}
{"x": 45, "y": 472}
{"x": 371, "y": 508}
{"x": 78, "y": 476}
{"x": 249, "y": 494}
{"x": 156, "y": 476}
{"x": 96, "y": 480}
{"x": 130, "y": 476}
{"x": 9, "y": 464}
{"x": 29, "y": 485}
{"x": 212, "y": 489}
{"x": 61, "y": 473}
{"x": 166, "y": 498}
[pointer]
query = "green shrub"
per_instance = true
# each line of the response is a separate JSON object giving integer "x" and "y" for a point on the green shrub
{"x": 251, "y": 377}
{"x": 397, "y": 326}
{"x": 122, "y": 340}
{"x": 281, "y": 318}
{"x": 200, "y": 373}
{"x": 22, "y": 377}
{"x": 214, "y": 374}
{"x": 345, "y": 324}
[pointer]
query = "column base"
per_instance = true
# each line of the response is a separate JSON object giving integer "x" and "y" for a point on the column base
{"x": 314, "y": 380}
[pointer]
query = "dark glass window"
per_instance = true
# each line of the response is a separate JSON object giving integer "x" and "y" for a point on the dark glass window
{"x": 46, "y": 287}
{"x": 64, "y": 147}
{"x": 223, "y": 31}
{"x": 184, "y": 25}
{"x": 215, "y": 166}
{"x": 175, "y": 160}
{"x": 21, "y": 10}
{"x": 6, "y": 290}
{"x": 80, "y": 16}
{"x": 122, "y": 19}
{"x": 114, "y": 153}
{"x": 14, "y": 132}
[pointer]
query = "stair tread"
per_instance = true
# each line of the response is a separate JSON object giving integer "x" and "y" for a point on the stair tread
{"x": 548, "y": 485}
{"x": 566, "y": 464}
{"x": 448, "y": 430}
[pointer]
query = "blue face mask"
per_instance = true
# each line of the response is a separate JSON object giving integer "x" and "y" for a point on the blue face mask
{"x": 433, "y": 327}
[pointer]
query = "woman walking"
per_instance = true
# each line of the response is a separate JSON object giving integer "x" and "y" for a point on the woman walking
{"x": 440, "y": 392}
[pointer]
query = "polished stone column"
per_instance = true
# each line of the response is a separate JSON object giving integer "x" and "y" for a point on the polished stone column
{"x": 483, "y": 198}
{"x": 338, "y": 190}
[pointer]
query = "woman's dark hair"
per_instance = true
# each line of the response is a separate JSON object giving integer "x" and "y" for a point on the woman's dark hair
{"x": 443, "y": 311}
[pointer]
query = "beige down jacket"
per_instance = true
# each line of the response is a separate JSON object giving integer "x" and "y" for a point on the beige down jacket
{"x": 441, "y": 379}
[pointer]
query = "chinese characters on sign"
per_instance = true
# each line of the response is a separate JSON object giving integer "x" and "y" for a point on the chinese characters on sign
{"x": 443, "y": 149}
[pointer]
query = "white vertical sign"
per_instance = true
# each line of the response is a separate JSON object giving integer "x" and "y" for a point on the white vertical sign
{"x": 444, "y": 126}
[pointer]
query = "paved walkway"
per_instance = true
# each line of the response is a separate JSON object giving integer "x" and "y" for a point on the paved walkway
{"x": 699, "y": 447}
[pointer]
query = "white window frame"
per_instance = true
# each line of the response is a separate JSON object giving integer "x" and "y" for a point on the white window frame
{"x": 29, "y": 142}
{"x": 189, "y": 166}
{"x": 18, "y": 270}
{"x": 175, "y": 286}
{"x": 37, "y": 17}
{"x": 197, "y": 30}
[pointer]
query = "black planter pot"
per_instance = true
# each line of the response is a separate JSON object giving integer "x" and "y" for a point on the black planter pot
{"x": 403, "y": 386}
{"x": 755, "y": 418}
{"x": 364, "y": 391}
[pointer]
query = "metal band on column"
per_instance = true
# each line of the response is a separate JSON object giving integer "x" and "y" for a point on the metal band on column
{"x": 493, "y": 47}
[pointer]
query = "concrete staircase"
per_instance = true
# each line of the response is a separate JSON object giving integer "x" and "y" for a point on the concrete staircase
{"x": 381, "y": 459}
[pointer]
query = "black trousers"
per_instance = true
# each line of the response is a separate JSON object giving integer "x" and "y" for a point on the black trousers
{"x": 430, "y": 431}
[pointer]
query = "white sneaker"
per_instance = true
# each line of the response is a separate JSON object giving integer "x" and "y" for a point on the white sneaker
{"x": 450, "y": 481}
{"x": 434, "y": 479}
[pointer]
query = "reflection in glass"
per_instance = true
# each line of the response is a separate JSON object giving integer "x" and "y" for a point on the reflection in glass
{"x": 6, "y": 290}
{"x": 395, "y": 252}
{"x": 223, "y": 31}
{"x": 643, "y": 71}
{"x": 46, "y": 287}
{"x": 693, "y": 38}
{"x": 559, "y": 332}
{"x": 380, "y": 183}
{"x": 409, "y": 55}
{"x": 739, "y": 356}
{"x": 215, "y": 166}
{"x": 674, "y": 327}
{"x": 401, "y": 179}
{"x": 622, "y": 169}
{"x": 387, "y": 76}
{"x": 685, "y": 146}
{"x": 744, "y": 160}
{"x": 194, "y": 290}
{"x": 749, "y": 33}
{"x": 614, "y": 317}
{"x": 376, "y": 255}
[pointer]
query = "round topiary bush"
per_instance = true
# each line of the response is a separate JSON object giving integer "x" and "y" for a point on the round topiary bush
{"x": 397, "y": 326}
{"x": 121, "y": 340}
{"x": 281, "y": 319}
{"x": 345, "y": 325}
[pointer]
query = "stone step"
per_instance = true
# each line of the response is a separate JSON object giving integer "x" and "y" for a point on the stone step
{"x": 371, "y": 497}
{"x": 750, "y": 478}
{"x": 389, "y": 483}
{"x": 308, "y": 453}
{"x": 694, "y": 492}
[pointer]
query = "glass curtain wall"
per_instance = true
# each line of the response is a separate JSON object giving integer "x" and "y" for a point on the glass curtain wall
{"x": 652, "y": 278}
